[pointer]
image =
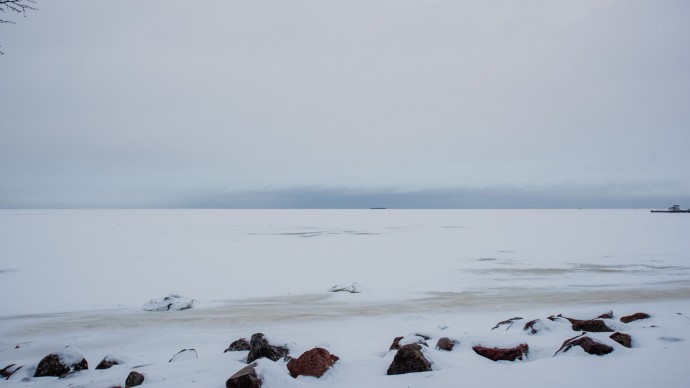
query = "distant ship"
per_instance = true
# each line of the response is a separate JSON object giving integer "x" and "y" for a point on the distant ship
{"x": 672, "y": 209}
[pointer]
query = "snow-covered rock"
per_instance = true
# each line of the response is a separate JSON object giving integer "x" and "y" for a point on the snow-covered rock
{"x": 409, "y": 359}
{"x": 399, "y": 342}
{"x": 244, "y": 378}
{"x": 112, "y": 360}
{"x": 134, "y": 379}
{"x": 352, "y": 288}
{"x": 60, "y": 363}
{"x": 314, "y": 362}
{"x": 260, "y": 348}
{"x": 502, "y": 354}
{"x": 238, "y": 346}
{"x": 172, "y": 302}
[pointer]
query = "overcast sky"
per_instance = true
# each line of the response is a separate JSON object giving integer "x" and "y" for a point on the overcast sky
{"x": 346, "y": 104}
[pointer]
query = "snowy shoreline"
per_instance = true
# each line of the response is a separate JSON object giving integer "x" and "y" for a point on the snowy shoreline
{"x": 79, "y": 278}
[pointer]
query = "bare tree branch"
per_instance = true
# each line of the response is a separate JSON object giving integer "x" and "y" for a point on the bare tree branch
{"x": 15, "y": 7}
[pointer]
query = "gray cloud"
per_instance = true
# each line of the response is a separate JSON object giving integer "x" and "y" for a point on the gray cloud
{"x": 116, "y": 104}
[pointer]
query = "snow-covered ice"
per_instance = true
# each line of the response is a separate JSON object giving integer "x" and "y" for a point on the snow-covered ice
{"x": 79, "y": 278}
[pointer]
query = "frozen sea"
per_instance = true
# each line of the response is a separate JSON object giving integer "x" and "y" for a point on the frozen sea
{"x": 80, "y": 277}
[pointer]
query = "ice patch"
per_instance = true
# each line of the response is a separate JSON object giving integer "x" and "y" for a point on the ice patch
{"x": 172, "y": 302}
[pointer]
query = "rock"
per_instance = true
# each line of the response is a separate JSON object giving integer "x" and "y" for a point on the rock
{"x": 352, "y": 289}
{"x": 313, "y": 362}
{"x": 396, "y": 343}
{"x": 400, "y": 341}
{"x": 587, "y": 344}
{"x": 9, "y": 370}
{"x": 244, "y": 378}
{"x": 409, "y": 359}
{"x": 184, "y": 355}
{"x": 134, "y": 379}
{"x": 238, "y": 346}
{"x": 172, "y": 302}
{"x": 111, "y": 360}
{"x": 259, "y": 347}
{"x": 530, "y": 326}
{"x": 502, "y": 354}
{"x": 634, "y": 317}
{"x": 608, "y": 315}
{"x": 445, "y": 343}
{"x": 593, "y": 325}
{"x": 508, "y": 322}
{"x": 622, "y": 338}
{"x": 59, "y": 364}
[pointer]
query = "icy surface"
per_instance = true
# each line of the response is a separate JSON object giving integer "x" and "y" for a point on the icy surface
{"x": 79, "y": 277}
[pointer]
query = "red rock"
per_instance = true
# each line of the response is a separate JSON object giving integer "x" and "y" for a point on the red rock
{"x": 622, "y": 338}
{"x": 505, "y": 354}
{"x": 608, "y": 315}
{"x": 634, "y": 317}
{"x": 313, "y": 362}
{"x": 592, "y": 325}
{"x": 446, "y": 344}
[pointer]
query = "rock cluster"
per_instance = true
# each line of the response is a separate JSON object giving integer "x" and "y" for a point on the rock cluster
{"x": 409, "y": 356}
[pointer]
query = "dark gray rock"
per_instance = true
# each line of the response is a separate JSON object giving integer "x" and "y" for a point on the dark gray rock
{"x": 238, "y": 346}
{"x": 9, "y": 370}
{"x": 61, "y": 363}
{"x": 259, "y": 347}
{"x": 244, "y": 378}
{"x": 409, "y": 359}
{"x": 134, "y": 379}
{"x": 589, "y": 345}
{"x": 109, "y": 361}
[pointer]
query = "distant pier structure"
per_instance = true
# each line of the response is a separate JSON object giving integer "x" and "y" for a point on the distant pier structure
{"x": 672, "y": 209}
